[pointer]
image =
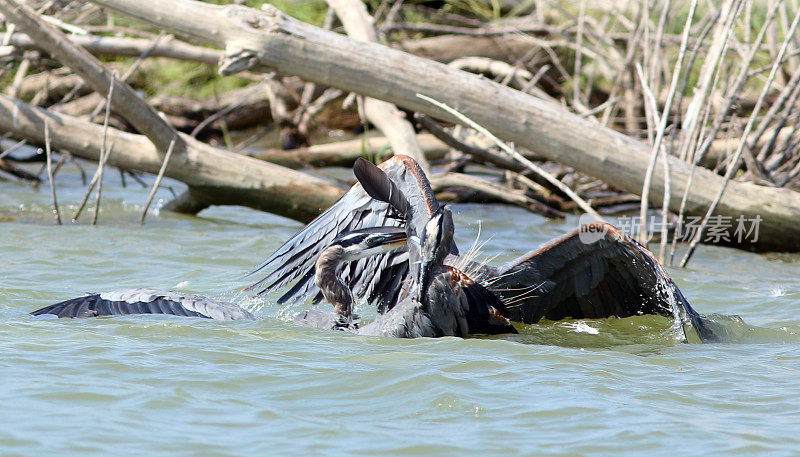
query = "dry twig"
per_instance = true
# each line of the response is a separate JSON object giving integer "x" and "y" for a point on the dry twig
{"x": 663, "y": 124}
{"x": 158, "y": 182}
{"x": 50, "y": 172}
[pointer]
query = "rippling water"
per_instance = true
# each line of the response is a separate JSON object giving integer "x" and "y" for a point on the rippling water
{"x": 150, "y": 385}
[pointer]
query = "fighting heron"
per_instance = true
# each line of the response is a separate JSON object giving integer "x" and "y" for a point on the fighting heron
{"x": 603, "y": 275}
{"x": 445, "y": 303}
{"x": 440, "y": 300}
{"x": 595, "y": 271}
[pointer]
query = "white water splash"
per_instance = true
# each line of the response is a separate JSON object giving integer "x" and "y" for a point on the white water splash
{"x": 779, "y": 291}
{"x": 581, "y": 327}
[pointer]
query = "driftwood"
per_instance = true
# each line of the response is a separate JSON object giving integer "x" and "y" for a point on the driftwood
{"x": 345, "y": 153}
{"x": 252, "y": 108}
{"x": 721, "y": 148}
{"x": 118, "y": 46}
{"x": 492, "y": 191}
{"x": 138, "y": 113}
{"x": 221, "y": 177}
{"x": 479, "y": 155}
{"x": 18, "y": 172}
{"x": 441, "y": 48}
{"x": 269, "y": 40}
{"x": 446, "y": 48}
{"x": 56, "y": 85}
{"x": 511, "y": 152}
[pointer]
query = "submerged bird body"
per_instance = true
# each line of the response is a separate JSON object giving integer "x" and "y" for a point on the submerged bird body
{"x": 458, "y": 316}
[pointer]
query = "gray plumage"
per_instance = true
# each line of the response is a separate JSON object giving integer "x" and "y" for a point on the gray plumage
{"x": 146, "y": 301}
{"x": 405, "y": 320}
{"x": 378, "y": 279}
{"x": 438, "y": 300}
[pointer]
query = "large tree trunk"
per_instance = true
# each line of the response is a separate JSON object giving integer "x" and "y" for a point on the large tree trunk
{"x": 269, "y": 40}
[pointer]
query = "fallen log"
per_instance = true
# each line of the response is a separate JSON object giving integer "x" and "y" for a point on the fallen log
{"x": 492, "y": 191}
{"x": 123, "y": 46}
{"x": 446, "y": 48}
{"x": 269, "y": 40}
{"x": 345, "y": 153}
{"x": 221, "y": 177}
{"x": 265, "y": 187}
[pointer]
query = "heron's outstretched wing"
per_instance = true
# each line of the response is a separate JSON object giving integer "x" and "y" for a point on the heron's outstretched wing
{"x": 146, "y": 301}
{"x": 378, "y": 279}
{"x": 596, "y": 271}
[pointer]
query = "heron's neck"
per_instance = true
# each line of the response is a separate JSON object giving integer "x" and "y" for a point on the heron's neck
{"x": 333, "y": 288}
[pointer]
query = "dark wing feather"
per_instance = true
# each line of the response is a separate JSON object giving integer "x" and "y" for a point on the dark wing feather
{"x": 596, "y": 271}
{"x": 356, "y": 210}
{"x": 146, "y": 301}
{"x": 378, "y": 186}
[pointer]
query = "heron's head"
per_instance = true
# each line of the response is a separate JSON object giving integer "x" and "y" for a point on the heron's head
{"x": 346, "y": 248}
{"x": 435, "y": 243}
{"x": 367, "y": 242}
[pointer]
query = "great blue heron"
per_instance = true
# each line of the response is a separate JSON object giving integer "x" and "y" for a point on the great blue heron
{"x": 595, "y": 271}
{"x": 440, "y": 300}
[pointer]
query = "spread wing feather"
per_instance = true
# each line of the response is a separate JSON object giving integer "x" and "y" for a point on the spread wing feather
{"x": 146, "y": 301}
{"x": 593, "y": 272}
{"x": 611, "y": 276}
{"x": 355, "y": 210}
{"x": 376, "y": 184}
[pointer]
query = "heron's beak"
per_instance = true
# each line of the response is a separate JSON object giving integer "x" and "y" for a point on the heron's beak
{"x": 430, "y": 243}
{"x": 425, "y": 280}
